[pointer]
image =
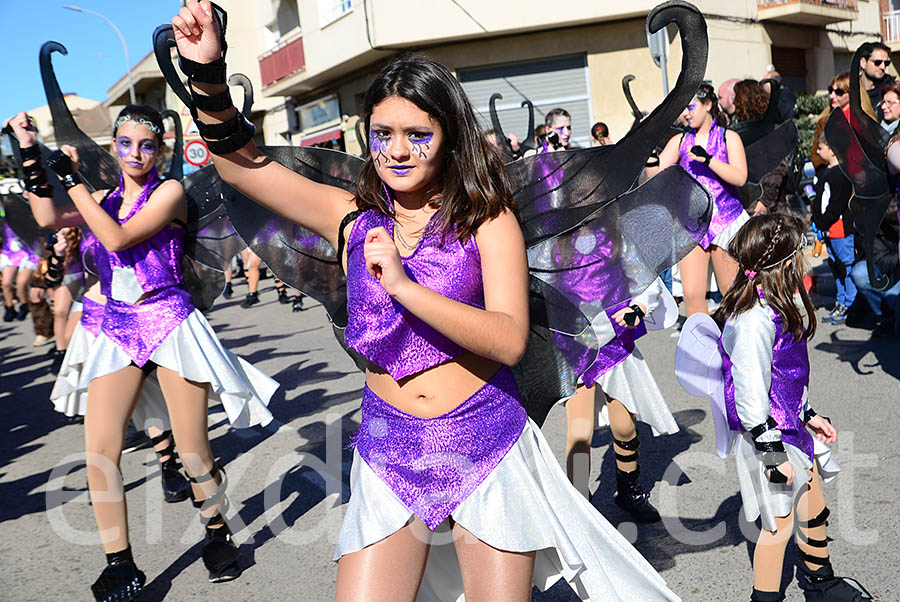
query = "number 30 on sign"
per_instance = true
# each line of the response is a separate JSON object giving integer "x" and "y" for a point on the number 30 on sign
{"x": 196, "y": 153}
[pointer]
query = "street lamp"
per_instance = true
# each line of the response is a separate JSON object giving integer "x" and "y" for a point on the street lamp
{"x": 78, "y": 9}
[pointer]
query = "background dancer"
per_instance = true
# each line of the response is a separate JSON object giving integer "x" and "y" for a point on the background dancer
{"x": 715, "y": 156}
{"x": 628, "y": 392}
{"x": 17, "y": 263}
{"x": 768, "y": 319}
{"x": 149, "y": 324}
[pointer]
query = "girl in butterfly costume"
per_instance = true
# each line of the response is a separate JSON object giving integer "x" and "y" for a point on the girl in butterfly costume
{"x": 715, "y": 156}
{"x": 437, "y": 305}
{"x": 757, "y": 374}
{"x": 149, "y": 324}
{"x": 17, "y": 263}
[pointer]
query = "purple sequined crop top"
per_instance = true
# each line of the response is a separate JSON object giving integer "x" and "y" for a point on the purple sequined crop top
{"x": 385, "y": 332}
{"x": 147, "y": 266}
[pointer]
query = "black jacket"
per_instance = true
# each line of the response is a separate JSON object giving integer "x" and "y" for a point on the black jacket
{"x": 884, "y": 251}
{"x": 833, "y": 184}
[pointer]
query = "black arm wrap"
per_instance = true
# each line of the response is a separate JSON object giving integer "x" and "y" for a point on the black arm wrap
{"x": 211, "y": 104}
{"x": 35, "y": 176}
{"x": 228, "y": 136}
{"x": 204, "y": 73}
{"x": 30, "y": 152}
{"x": 759, "y": 429}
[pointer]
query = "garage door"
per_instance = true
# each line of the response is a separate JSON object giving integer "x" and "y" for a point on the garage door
{"x": 548, "y": 83}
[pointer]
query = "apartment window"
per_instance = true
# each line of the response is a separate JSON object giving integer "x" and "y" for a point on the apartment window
{"x": 332, "y": 10}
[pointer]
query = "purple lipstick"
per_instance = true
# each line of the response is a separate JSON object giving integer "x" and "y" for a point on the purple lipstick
{"x": 400, "y": 170}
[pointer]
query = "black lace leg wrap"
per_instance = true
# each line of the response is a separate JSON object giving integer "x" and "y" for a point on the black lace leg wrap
{"x": 175, "y": 487}
{"x": 220, "y": 555}
{"x": 631, "y": 446}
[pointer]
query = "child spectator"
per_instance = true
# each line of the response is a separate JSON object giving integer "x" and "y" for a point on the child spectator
{"x": 830, "y": 215}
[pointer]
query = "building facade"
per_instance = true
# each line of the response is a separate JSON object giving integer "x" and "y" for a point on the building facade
{"x": 572, "y": 54}
{"x": 311, "y": 61}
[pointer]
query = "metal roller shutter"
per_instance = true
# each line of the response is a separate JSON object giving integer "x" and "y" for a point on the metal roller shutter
{"x": 548, "y": 83}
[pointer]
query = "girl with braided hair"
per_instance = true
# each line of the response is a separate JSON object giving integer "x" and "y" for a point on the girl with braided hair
{"x": 778, "y": 439}
{"x": 715, "y": 156}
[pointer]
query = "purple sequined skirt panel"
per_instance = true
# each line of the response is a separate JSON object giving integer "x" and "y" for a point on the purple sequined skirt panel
{"x": 92, "y": 315}
{"x": 728, "y": 206}
{"x": 139, "y": 329}
{"x": 433, "y": 464}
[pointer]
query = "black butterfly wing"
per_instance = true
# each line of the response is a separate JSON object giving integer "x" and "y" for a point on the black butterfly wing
{"x": 299, "y": 257}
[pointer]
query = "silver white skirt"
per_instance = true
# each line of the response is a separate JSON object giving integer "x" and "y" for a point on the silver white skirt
{"x": 70, "y": 398}
{"x": 723, "y": 238}
{"x": 525, "y": 504}
{"x": 193, "y": 351}
{"x": 632, "y": 383}
{"x": 766, "y": 500}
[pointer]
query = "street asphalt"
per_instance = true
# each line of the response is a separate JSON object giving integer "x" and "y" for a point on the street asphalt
{"x": 288, "y": 483}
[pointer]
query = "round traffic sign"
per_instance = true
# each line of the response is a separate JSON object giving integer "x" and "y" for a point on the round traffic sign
{"x": 196, "y": 153}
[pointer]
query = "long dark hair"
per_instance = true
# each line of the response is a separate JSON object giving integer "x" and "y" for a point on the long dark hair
{"x": 767, "y": 249}
{"x": 473, "y": 186}
{"x": 706, "y": 92}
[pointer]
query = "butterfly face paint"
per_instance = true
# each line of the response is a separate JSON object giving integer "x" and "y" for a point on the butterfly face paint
{"x": 421, "y": 143}
{"x": 124, "y": 146}
{"x": 379, "y": 143}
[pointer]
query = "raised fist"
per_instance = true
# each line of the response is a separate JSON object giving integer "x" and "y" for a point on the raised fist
{"x": 196, "y": 32}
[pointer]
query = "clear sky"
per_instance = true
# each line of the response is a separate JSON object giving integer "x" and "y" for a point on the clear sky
{"x": 95, "y": 60}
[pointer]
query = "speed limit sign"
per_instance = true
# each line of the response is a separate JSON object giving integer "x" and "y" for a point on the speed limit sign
{"x": 196, "y": 153}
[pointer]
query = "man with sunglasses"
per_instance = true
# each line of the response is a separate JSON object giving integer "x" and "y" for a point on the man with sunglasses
{"x": 876, "y": 58}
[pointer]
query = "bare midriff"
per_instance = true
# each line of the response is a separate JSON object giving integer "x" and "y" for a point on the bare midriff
{"x": 434, "y": 391}
{"x": 95, "y": 295}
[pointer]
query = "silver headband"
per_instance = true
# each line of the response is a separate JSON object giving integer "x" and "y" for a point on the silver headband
{"x": 149, "y": 124}
{"x": 799, "y": 248}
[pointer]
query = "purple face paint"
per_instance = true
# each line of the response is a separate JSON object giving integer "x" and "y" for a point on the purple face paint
{"x": 421, "y": 143}
{"x": 124, "y": 145}
{"x": 400, "y": 170}
{"x": 378, "y": 145}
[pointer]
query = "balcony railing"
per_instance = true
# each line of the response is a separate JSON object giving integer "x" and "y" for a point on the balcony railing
{"x": 891, "y": 28}
{"x": 284, "y": 60}
{"x": 845, "y": 4}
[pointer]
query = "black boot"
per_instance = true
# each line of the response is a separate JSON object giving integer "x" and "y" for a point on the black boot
{"x": 228, "y": 291}
{"x": 120, "y": 581}
{"x": 630, "y": 497}
{"x": 175, "y": 487}
{"x": 821, "y": 585}
{"x": 283, "y": 297}
{"x": 220, "y": 555}
{"x": 251, "y": 300}
{"x": 758, "y": 596}
{"x": 10, "y": 314}
{"x": 23, "y": 312}
{"x": 297, "y": 304}
{"x": 58, "y": 357}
